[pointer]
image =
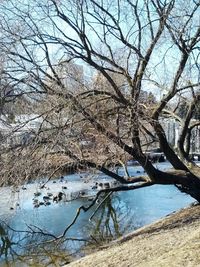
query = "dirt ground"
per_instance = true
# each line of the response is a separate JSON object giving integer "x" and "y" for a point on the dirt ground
{"x": 171, "y": 242}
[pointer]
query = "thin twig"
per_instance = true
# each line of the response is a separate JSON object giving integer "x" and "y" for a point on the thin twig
{"x": 107, "y": 190}
{"x": 100, "y": 204}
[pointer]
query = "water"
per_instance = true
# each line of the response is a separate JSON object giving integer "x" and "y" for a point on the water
{"x": 119, "y": 214}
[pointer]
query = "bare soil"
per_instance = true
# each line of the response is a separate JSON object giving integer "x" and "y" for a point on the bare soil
{"x": 171, "y": 242}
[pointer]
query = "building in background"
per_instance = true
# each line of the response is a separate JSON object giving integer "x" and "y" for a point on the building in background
{"x": 172, "y": 130}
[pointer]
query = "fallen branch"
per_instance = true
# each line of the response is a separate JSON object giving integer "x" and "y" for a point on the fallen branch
{"x": 107, "y": 190}
{"x": 100, "y": 204}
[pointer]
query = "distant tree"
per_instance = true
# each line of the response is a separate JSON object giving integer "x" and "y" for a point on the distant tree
{"x": 129, "y": 47}
{"x": 182, "y": 109}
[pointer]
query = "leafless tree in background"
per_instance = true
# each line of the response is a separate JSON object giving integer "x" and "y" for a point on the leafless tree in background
{"x": 101, "y": 77}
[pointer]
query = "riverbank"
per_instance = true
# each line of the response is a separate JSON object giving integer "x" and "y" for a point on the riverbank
{"x": 171, "y": 241}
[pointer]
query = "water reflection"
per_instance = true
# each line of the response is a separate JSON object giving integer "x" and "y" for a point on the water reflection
{"x": 22, "y": 244}
{"x": 30, "y": 246}
{"x": 5, "y": 243}
{"x": 112, "y": 220}
{"x": 30, "y": 249}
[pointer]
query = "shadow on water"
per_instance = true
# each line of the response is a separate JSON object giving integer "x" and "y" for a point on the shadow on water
{"x": 110, "y": 222}
{"x": 31, "y": 248}
{"x": 5, "y": 243}
{"x": 22, "y": 244}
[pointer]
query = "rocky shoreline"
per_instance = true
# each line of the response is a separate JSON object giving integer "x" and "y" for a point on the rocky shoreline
{"x": 171, "y": 241}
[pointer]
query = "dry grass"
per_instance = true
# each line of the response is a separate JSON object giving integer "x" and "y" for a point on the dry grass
{"x": 172, "y": 241}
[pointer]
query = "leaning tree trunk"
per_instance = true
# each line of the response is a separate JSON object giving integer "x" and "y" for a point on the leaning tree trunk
{"x": 167, "y": 150}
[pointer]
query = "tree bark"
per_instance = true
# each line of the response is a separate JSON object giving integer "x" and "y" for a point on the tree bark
{"x": 165, "y": 147}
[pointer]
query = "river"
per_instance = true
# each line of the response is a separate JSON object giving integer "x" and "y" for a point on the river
{"x": 120, "y": 213}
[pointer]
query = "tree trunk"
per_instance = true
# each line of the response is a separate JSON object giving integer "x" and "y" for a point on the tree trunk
{"x": 165, "y": 147}
{"x": 185, "y": 182}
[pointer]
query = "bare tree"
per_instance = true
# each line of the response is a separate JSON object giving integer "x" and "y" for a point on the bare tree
{"x": 86, "y": 66}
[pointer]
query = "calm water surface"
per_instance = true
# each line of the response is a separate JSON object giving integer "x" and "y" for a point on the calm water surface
{"x": 119, "y": 214}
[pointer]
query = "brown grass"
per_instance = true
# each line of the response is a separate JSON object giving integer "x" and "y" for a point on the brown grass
{"x": 172, "y": 241}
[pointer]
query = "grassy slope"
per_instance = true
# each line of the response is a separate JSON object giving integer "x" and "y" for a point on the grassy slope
{"x": 172, "y": 241}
